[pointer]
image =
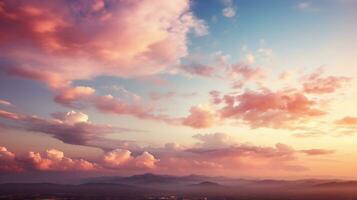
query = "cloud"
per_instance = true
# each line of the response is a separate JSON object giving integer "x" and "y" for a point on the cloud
{"x": 213, "y": 140}
{"x": 124, "y": 93}
{"x": 200, "y": 117}
{"x": 265, "y": 52}
{"x": 220, "y": 150}
{"x": 117, "y": 38}
{"x": 8, "y": 162}
{"x": 80, "y": 97}
{"x": 215, "y": 96}
{"x": 117, "y": 157}
{"x": 303, "y": 5}
{"x": 55, "y": 160}
{"x": 109, "y": 104}
{"x": 316, "y": 84}
{"x": 10, "y": 115}
{"x": 51, "y": 79}
{"x": 71, "y": 117}
{"x": 212, "y": 153}
{"x": 110, "y": 38}
{"x": 157, "y": 96}
{"x": 306, "y": 6}
{"x": 346, "y": 126}
{"x": 280, "y": 109}
{"x": 51, "y": 160}
{"x": 146, "y": 161}
{"x": 69, "y": 96}
{"x": 348, "y": 121}
{"x": 314, "y": 152}
{"x": 199, "y": 70}
{"x": 281, "y": 152}
{"x": 246, "y": 72}
{"x": 250, "y": 59}
{"x": 6, "y": 103}
{"x": 71, "y": 127}
{"x": 229, "y": 10}
{"x": 120, "y": 158}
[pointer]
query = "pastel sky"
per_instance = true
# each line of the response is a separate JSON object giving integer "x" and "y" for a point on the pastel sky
{"x": 246, "y": 88}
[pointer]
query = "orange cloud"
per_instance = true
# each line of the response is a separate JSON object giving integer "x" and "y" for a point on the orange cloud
{"x": 349, "y": 121}
{"x": 314, "y": 152}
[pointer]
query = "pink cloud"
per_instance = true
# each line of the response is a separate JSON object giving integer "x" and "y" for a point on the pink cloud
{"x": 50, "y": 43}
{"x": 117, "y": 157}
{"x": 200, "y": 117}
{"x": 71, "y": 117}
{"x": 10, "y": 115}
{"x": 121, "y": 38}
{"x": 226, "y": 156}
{"x": 215, "y": 95}
{"x": 213, "y": 140}
{"x": 146, "y": 161}
{"x": 8, "y": 161}
{"x": 6, "y": 103}
{"x": 199, "y": 70}
{"x": 157, "y": 96}
{"x": 51, "y": 160}
{"x": 55, "y": 160}
{"x": 315, "y": 83}
{"x": 217, "y": 152}
{"x": 110, "y": 104}
{"x": 238, "y": 84}
{"x": 80, "y": 96}
{"x": 70, "y": 95}
{"x": 246, "y": 72}
{"x": 72, "y": 127}
{"x": 51, "y": 79}
{"x": 121, "y": 158}
{"x": 280, "y": 152}
{"x": 314, "y": 152}
{"x": 280, "y": 109}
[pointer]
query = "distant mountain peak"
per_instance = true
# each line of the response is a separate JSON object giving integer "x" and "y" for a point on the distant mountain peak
{"x": 207, "y": 183}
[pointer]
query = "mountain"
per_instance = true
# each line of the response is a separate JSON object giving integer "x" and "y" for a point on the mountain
{"x": 207, "y": 184}
{"x": 338, "y": 184}
{"x": 149, "y": 179}
{"x": 153, "y": 186}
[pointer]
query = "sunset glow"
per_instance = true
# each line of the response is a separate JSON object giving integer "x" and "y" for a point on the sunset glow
{"x": 246, "y": 88}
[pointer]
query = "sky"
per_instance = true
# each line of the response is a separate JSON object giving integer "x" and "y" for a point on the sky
{"x": 246, "y": 88}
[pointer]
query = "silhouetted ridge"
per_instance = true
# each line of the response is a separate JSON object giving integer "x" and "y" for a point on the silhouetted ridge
{"x": 207, "y": 184}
